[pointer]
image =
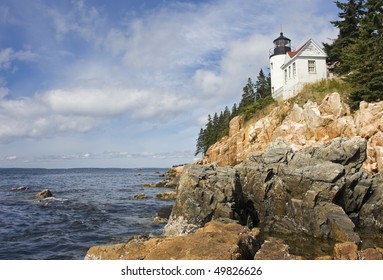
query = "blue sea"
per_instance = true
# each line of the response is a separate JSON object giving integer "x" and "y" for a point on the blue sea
{"x": 89, "y": 207}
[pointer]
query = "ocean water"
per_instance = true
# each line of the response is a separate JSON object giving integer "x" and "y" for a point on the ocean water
{"x": 89, "y": 207}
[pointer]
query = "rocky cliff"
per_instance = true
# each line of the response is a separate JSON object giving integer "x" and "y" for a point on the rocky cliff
{"x": 295, "y": 178}
{"x": 310, "y": 125}
{"x": 319, "y": 191}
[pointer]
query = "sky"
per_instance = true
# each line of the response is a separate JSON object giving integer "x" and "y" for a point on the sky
{"x": 129, "y": 83}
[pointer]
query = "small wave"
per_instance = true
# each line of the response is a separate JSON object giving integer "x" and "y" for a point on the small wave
{"x": 52, "y": 198}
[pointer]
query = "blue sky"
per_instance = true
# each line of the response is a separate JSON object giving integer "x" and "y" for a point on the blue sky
{"x": 118, "y": 83}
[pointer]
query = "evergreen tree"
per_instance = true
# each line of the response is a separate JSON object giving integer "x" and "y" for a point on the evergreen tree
{"x": 365, "y": 56}
{"x": 200, "y": 143}
{"x": 262, "y": 85}
{"x": 234, "y": 111}
{"x": 348, "y": 26}
{"x": 248, "y": 95}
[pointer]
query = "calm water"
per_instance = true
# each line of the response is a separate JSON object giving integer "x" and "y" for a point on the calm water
{"x": 90, "y": 207}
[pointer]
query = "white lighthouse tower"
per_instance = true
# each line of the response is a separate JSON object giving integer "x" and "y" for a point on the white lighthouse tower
{"x": 282, "y": 45}
{"x": 291, "y": 70}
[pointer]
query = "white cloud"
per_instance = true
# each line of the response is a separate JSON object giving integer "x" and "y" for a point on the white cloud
{"x": 8, "y": 56}
{"x": 11, "y": 158}
{"x": 169, "y": 65}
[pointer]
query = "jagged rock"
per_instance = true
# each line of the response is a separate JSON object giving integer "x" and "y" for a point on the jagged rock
{"x": 275, "y": 249}
{"x": 44, "y": 194}
{"x": 371, "y": 212}
{"x": 216, "y": 241}
{"x": 310, "y": 125}
{"x": 318, "y": 191}
{"x": 204, "y": 193}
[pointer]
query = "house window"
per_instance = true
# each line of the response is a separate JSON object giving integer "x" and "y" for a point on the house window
{"x": 294, "y": 70}
{"x": 311, "y": 65}
{"x": 285, "y": 75}
{"x": 289, "y": 72}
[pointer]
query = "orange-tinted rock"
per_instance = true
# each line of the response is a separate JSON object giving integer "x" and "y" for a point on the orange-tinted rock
{"x": 309, "y": 125}
{"x": 346, "y": 251}
{"x": 371, "y": 254}
{"x": 216, "y": 241}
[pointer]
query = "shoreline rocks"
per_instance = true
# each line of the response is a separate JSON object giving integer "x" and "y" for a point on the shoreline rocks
{"x": 216, "y": 241}
{"x": 321, "y": 192}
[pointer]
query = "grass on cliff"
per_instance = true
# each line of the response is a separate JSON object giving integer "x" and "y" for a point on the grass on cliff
{"x": 315, "y": 92}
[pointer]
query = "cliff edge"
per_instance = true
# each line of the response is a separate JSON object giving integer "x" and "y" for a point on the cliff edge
{"x": 311, "y": 125}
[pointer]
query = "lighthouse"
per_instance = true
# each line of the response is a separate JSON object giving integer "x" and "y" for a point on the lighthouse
{"x": 282, "y": 45}
{"x": 290, "y": 70}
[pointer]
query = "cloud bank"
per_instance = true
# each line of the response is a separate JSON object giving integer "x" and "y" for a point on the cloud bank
{"x": 79, "y": 67}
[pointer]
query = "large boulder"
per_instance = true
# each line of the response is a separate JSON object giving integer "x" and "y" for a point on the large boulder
{"x": 215, "y": 241}
{"x": 204, "y": 193}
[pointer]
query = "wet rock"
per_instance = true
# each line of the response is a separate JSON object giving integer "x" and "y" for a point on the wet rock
{"x": 140, "y": 196}
{"x": 215, "y": 241}
{"x": 44, "y": 194}
{"x": 159, "y": 220}
{"x": 166, "y": 195}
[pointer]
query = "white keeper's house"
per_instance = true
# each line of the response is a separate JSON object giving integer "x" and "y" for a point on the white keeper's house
{"x": 290, "y": 69}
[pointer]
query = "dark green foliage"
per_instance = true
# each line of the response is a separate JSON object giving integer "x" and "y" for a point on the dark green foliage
{"x": 348, "y": 25}
{"x": 250, "y": 110}
{"x": 359, "y": 49}
{"x": 365, "y": 56}
{"x": 263, "y": 85}
{"x": 248, "y": 95}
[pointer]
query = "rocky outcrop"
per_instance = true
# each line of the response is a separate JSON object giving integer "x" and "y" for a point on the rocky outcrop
{"x": 311, "y": 125}
{"x": 43, "y": 194}
{"x": 166, "y": 195}
{"x": 215, "y": 241}
{"x": 320, "y": 191}
{"x": 204, "y": 193}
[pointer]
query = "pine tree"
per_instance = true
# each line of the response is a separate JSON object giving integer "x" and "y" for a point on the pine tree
{"x": 348, "y": 26}
{"x": 262, "y": 85}
{"x": 200, "y": 149}
{"x": 365, "y": 56}
{"x": 248, "y": 95}
{"x": 234, "y": 111}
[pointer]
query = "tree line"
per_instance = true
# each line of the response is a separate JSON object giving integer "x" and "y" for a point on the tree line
{"x": 254, "y": 97}
{"x": 357, "y": 52}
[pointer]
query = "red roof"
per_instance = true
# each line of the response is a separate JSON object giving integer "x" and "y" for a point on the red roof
{"x": 294, "y": 53}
